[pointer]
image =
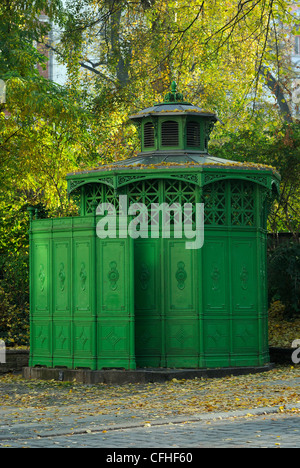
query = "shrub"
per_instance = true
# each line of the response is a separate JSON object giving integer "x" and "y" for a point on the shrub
{"x": 284, "y": 277}
{"x": 14, "y": 321}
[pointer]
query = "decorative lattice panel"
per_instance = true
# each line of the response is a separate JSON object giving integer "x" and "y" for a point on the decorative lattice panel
{"x": 242, "y": 204}
{"x": 145, "y": 191}
{"x": 112, "y": 196}
{"x": 229, "y": 203}
{"x": 99, "y": 193}
{"x": 226, "y": 202}
{"x": 177, "y": 191}
{"x": 214, "y": 199}
{"x": 93, "y": 194}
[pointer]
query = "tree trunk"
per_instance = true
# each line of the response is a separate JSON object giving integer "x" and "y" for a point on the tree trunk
{"x": 277, "y": 90}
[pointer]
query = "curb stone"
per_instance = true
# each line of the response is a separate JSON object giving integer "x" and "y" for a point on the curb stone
{"x": 119, "y": 377}
{"x": 165, "y": 422}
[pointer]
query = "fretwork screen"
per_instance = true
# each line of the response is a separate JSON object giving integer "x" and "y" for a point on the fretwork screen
{"x": 226, "y": 202}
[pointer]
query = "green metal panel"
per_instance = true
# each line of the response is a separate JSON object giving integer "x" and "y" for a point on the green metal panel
{"x": 115, "y": 304}
{"x": 41, "y": 302}
{"x": 244, "y": 276}
{"x": 149, "y": 313}
{"x": 151, "y": 302}
{"x": 216, "y": 323}
{"x": 62, "y": 278}
{"x": 216, "y": 299}
{"x": 62, "y": 311}
{"x": 167, "y": 323}
{"x": 181, "y": 305}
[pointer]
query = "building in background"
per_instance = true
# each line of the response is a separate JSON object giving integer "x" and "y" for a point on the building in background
{"x": 57, "y": 72}
{"x": 296, "y": 43}
{"x": 54, "y": 71}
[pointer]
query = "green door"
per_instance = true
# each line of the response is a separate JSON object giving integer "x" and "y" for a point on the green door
{"x": 115, "y": 304}
{"x": 41, "y": 346}
{"x": 149, "y": 310}
{"x": 166, "y": 304}
{"x": 181, "y": 284}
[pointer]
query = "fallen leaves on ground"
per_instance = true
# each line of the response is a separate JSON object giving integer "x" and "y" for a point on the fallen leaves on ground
{"x": 282, "y": 332}
{"x": 278, "y": 387}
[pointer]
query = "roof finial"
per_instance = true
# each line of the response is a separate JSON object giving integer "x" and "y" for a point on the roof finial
{"x": 173, "y": 95}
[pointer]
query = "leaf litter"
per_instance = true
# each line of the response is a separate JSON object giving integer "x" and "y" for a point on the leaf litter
{"x": 278, "y": 387}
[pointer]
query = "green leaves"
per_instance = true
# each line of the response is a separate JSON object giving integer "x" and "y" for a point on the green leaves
{"x": 284, "y": 277}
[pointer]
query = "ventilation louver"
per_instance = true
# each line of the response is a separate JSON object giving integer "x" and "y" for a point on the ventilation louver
{"x": 149, "y": 135}
{"x": 193, "y": 134}
{"x": 170, "y": 133}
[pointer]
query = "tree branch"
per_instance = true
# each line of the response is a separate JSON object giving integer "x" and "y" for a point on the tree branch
{"x": 81, "y": 63}
{"x": 277, "y": 90}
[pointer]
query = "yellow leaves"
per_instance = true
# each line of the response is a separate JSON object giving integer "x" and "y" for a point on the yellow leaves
{"x": 146, "y": 403}
{"x": 282, "y": 333}
{"x": 245, "y": 165}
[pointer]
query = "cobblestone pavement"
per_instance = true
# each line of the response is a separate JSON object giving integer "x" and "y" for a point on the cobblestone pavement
{"x": 261, "y": 431}
{"x": 252, "y": 412}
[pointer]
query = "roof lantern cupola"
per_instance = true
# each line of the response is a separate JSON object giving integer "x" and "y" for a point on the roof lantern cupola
{"x": 175, "y": 128}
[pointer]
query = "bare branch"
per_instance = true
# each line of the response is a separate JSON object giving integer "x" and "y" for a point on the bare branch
{"x": 277, "y": 90}
{"x": 91, "y": 67}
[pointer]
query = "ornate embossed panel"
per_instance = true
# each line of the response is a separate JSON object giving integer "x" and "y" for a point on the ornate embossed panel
{"x": 61, "y": 278}
{"x": 147, "y": 276}
{"x": 216, "y": 334}
{"x": 148, "y": 341}
{"x": 181, "y": 280}
{"x": 42, "y": 331}
{"x": 215, "y": 278}
{"x": 62, "y": 338}
{"x": 182, "y": 337}
{"x": 83, "y": 280}
{"x": 41, "y": 278}
{"x": 244, "y": 276}
{"x": 84, "y": 342}
{"x": 182, "y": 343}
{"x": 115, "y": 304}
{"x": 113, "y": 271}
{"x": 114, "y": 344}
{"x": 41, "y": 343}
{"x": 246, "y": 336}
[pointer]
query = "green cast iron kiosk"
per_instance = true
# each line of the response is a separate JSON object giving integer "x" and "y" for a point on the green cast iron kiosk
{"x": 130, "y": 303}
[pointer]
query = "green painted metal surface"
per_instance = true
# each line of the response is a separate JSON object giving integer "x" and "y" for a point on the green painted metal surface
{"x": 151, "y": 302}
{"x": 102, "y": 303}
{"x": 82, "y": 302}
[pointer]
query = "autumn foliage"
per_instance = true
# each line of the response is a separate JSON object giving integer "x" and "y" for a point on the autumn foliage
{"x": 231, "y": 57}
